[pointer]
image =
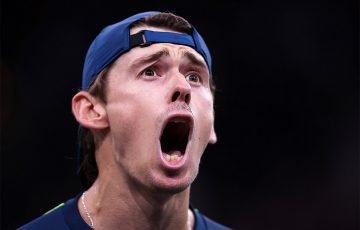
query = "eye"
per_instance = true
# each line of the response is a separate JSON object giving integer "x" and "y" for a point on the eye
{"x": 149, "y": 72}
{"x": 193, "y": 78}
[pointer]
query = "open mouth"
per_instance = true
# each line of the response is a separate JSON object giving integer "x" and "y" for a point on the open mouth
{"x": 174, "y": 138}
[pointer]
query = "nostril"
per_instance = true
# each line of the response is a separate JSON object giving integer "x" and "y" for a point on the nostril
{"x": 187, "y": 98}
{"x": 175, "y": 96}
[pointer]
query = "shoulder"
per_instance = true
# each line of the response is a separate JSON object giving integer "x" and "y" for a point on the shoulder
{"x": 204, "y": 223}
{"x": 54, "y": 219}
{"x": 65, "y": 216}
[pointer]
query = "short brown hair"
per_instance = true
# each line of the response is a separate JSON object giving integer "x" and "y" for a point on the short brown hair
{"x": 88, "y": 168}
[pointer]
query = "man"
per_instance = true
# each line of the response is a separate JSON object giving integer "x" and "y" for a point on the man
{"x": 146, "y": 112}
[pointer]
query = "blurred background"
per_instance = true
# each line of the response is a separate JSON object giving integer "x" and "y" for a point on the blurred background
{"x": 286, "y": 108}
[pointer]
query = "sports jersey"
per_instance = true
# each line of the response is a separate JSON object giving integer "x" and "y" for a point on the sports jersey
{"x": 66, "y": 216}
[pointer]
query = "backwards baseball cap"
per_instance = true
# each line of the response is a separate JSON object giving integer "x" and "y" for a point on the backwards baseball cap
{"x": 115, "y": 40}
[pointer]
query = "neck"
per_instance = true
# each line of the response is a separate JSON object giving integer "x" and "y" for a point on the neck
{"x": 120, "y": 205}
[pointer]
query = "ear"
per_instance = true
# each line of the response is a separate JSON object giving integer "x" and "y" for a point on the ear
{"x": 89, "y": 111}
{"x": 213, "y": 137}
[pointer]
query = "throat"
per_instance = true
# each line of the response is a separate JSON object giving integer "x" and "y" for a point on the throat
{"x": 140, "y": 211}
{"x": 115, "y": 205}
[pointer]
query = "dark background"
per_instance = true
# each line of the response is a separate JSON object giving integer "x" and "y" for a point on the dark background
{"x": 286, "y": 109}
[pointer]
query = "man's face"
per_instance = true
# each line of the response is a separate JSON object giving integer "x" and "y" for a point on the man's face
{"x": 160, "y": 112}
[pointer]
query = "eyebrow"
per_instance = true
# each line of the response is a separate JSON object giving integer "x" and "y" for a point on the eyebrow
{"x": 194, "y": 60}
{"x": 165, "y": 52}
{"x": 150, "y": 58}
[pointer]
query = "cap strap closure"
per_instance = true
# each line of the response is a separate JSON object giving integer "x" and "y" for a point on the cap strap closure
{"x": 146, "y": 37}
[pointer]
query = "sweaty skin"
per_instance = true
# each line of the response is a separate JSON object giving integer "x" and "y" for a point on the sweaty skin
{"x": 137, "y": 187}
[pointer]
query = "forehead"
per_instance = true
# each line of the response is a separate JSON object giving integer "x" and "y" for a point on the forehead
{"x": 179, "y": 52}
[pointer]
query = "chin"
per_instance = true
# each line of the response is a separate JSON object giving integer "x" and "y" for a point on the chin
{"x": 173, "y": 185}
{"x": 171, "y": 189}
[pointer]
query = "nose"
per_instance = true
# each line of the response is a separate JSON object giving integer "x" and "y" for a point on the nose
{"x": 181, "y": 91}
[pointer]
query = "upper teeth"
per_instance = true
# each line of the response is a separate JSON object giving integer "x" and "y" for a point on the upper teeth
{"x": 178, "y": 120}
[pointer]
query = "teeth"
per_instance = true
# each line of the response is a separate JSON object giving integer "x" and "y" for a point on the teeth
{"x": 168, "y": 157}
{"x": 178, "y": 120}
{"x": 173, "y": 157}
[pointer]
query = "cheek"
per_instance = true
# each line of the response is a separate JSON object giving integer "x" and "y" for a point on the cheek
{"x": 204, "y": 118}
{"x": 129, "y": 125}
{"x": 121, "y": 116}
{"x": 204, "y": 105}
{"x": 125, "y": 108}
{"x": 120, "y": 125}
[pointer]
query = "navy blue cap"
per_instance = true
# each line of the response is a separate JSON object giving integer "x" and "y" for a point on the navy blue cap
{"x": 114, "y": 40}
